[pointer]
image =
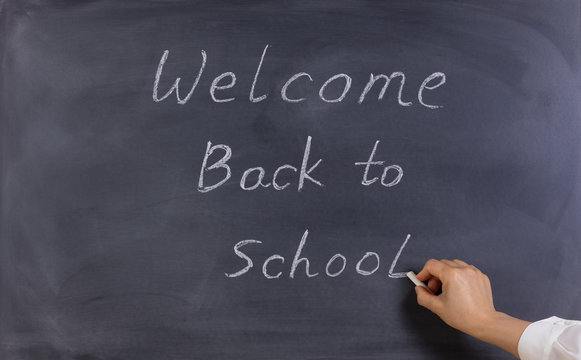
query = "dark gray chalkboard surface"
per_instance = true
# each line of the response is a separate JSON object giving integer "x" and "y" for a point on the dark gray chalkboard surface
{"x": 115, "y": 244}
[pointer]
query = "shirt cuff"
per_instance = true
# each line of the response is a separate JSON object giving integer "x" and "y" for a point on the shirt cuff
{"x": 535, "y": 342}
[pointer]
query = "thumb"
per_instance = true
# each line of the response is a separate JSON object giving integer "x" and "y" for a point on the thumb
{"x": 427, "y": 300}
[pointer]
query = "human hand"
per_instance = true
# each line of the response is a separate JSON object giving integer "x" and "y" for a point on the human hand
{"x": 466, "y": 300}
{"x": 466, "y": 303}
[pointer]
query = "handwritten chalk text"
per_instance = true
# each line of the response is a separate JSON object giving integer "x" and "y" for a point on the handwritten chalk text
{"x": 288, "y": 92}
{"x": 273, "y": 266}
{"x": 254, "y": 177}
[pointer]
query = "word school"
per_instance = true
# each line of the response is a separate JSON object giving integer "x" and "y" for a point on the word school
{"x": 227, "y": 80}
{"x": 272, "y": 266}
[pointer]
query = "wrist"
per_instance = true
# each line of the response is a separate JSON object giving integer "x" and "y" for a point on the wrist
{"x": 487, "y": 324}
{"x": 502, "y": 330}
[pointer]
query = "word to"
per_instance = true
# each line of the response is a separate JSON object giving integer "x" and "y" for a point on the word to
{"x": 367, "y": 265}
{"x": 227, "y": 80}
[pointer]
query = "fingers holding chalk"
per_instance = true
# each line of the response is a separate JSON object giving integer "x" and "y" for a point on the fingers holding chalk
{"x": 432, "y": 268}
{"x": 434, "y": 284}
{"x": 412, "y": 276}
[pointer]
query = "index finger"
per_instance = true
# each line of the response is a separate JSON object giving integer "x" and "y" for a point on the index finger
{"x": 432, "y": 268}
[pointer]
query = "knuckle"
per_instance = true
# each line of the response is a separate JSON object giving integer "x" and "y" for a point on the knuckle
{"x": 431, "y": 263}
{"x": 470, "y": 271}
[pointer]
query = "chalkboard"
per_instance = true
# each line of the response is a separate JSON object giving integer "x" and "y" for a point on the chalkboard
{"x": 248, "y": 180}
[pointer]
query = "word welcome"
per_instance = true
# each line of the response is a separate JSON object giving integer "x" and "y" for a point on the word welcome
{"x": 227, "y": 80}
{"x": 367, "y": 265}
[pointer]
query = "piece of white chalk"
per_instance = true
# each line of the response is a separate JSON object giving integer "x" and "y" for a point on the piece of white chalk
{"x": 412, "y": 276}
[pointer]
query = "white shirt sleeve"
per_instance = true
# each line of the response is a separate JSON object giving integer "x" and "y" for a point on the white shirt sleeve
{"x": 551, "y": 339}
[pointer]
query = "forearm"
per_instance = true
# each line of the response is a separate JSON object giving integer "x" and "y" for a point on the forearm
{"x": 503, "y": 331}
